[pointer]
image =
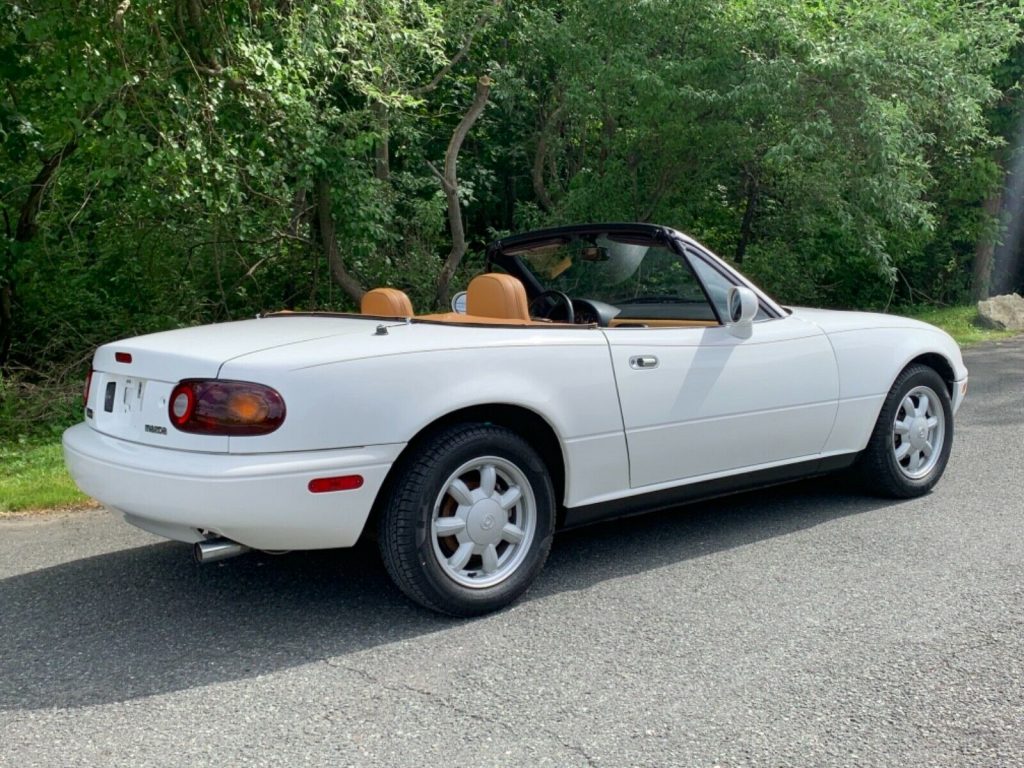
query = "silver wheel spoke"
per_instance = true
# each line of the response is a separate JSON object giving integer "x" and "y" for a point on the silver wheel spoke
{"x": 460, "y": 492}
{"x": 908, "y": 407}
{"x": 490, "y": 558}
{"x": 512, "y": 533}
{"x": 488, "y": 479}
{"x": 508, "y": 499}
{"x": 461, "y": 557}
{"x": 449, "y": 526}
{"x": 916, "y": 460}
{"x": 496, "y": 521}
{"x": 919, "y": 432}
{"x": 922, "y": 404}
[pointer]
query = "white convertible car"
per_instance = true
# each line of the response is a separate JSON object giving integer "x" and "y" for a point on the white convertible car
{"x": 591, "y": 372}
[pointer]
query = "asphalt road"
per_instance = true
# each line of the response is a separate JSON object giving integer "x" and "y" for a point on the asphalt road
{"x": 801, "y": 626}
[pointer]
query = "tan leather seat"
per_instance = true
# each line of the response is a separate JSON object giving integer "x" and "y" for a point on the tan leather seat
{"x": 499, "y": 296}
{"x": 386, "y": 302}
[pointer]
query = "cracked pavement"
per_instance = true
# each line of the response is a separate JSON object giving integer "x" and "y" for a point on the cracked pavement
{"x": 806, "y": 625}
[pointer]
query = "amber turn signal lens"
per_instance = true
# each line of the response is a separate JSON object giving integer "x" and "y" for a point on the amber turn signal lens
{"x": 247, "y": 407}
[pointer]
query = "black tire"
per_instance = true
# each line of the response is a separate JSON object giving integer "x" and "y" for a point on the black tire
{"x": 879, "y": 470}
{"x": 411, "y": 549}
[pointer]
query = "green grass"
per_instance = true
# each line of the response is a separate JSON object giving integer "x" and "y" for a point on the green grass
{"x": 33, "y": 476}
{"x": 958, "y": 322}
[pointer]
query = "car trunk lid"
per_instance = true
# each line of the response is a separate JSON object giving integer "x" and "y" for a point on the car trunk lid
{"x": 133, "y": 379}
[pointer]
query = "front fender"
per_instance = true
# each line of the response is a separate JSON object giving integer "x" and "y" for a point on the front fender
{"x": 869, "y": 361}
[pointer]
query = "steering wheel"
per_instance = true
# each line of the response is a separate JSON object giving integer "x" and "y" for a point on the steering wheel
{"x": 553, "y": 298}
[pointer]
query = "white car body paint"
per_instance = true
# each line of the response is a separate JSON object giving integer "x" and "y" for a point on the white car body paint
{"x": 714, "y": 401}
{"x": 804, "y": 386}
{"x": 870, "y": 350}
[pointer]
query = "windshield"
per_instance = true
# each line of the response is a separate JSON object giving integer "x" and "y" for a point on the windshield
{"x": 642, "y": 278}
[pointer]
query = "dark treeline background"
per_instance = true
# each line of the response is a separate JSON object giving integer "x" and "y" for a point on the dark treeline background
{"x": 169, "y": 162}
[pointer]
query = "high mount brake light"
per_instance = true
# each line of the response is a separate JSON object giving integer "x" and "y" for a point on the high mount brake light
{"x": 233, "y": 408}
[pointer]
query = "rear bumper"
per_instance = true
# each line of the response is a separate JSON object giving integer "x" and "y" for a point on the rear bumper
{"x": 260, "y": 500}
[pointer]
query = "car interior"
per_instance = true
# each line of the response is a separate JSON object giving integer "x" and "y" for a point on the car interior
{"x": 596, "y": 278}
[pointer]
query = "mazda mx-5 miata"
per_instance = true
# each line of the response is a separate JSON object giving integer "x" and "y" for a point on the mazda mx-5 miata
{"x": 590, "y": 372}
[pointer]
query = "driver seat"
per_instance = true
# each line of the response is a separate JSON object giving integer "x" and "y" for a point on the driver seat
{"x": 499, "y": 296}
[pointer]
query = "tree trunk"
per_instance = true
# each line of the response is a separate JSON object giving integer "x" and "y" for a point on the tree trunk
{"x": 609, "y": 125}
{"x": 37, "y": 189}
{"x": 450, "y": 184}
{"x": 24, "y": 232}
{"x": 6, "y": 299}
{"x": 6, "y": 321}
{"x": 540, "y": 157}
{"x": 328, "y": 237}
{"x": 298, "y": 211}
{"x": 382, "y": 157}
{"x": 753, "y": 194}
{"x": 981, "y": 278}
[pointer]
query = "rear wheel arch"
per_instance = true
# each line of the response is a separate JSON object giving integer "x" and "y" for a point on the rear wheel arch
{"x": 527, "y": 423}
{"x": 468, "y": 520}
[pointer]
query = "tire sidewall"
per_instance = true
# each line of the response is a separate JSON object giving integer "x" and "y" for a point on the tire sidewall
{"x": 915, "y": 377}
{"x": 478, "y": 441}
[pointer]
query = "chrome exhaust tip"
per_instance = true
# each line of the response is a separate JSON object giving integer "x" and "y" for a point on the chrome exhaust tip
{"x": 212, "y": 550}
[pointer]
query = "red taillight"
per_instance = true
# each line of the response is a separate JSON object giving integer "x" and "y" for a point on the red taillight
{"x": 123, "y": 357}
{"x": 214, "y": 407}
{"x": 85, "y": 390}
{"x": 183, "y": 404}
{"x": 328, "y": 484}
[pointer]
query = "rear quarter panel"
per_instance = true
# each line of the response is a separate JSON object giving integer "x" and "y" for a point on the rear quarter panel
{"x": 390, "y": 396}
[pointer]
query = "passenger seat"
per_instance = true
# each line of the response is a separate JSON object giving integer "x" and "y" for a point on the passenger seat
{"x": 386, "y": 302}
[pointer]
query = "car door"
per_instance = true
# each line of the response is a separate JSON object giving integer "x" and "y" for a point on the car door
{"x": 700, "y": 400}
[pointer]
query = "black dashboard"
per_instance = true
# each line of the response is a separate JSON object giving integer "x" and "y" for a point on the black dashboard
{"x": 590, "y": 312}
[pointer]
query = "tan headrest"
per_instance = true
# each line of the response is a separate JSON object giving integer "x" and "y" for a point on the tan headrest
{"x": 386, "y": 302}
{"x": 497, "y": 295}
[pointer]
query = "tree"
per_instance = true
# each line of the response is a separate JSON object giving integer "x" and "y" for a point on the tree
{"x": 195, "y": 160}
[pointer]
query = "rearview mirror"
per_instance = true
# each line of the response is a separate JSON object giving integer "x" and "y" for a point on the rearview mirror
{"x": 594, "y": 253}
{"x": 743, "y": 306}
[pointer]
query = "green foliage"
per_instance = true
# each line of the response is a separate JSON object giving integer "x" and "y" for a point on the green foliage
{"x": 160, "y": 160}
{"x": 33, "y": 476}
{"x": 32, "y": 411}
{"x": 839, "y": 151}
{"x": 845, "y": 129}
{"x": 960, "y": 322}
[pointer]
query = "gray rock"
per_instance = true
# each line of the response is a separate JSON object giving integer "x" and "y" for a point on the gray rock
{"x": 1002, "y": 312}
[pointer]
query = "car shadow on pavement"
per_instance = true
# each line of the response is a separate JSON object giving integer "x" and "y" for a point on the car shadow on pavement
{"x": 147, "y": 621}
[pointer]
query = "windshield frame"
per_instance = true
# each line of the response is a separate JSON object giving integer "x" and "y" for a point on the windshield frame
{"x": 683, "y": 246}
